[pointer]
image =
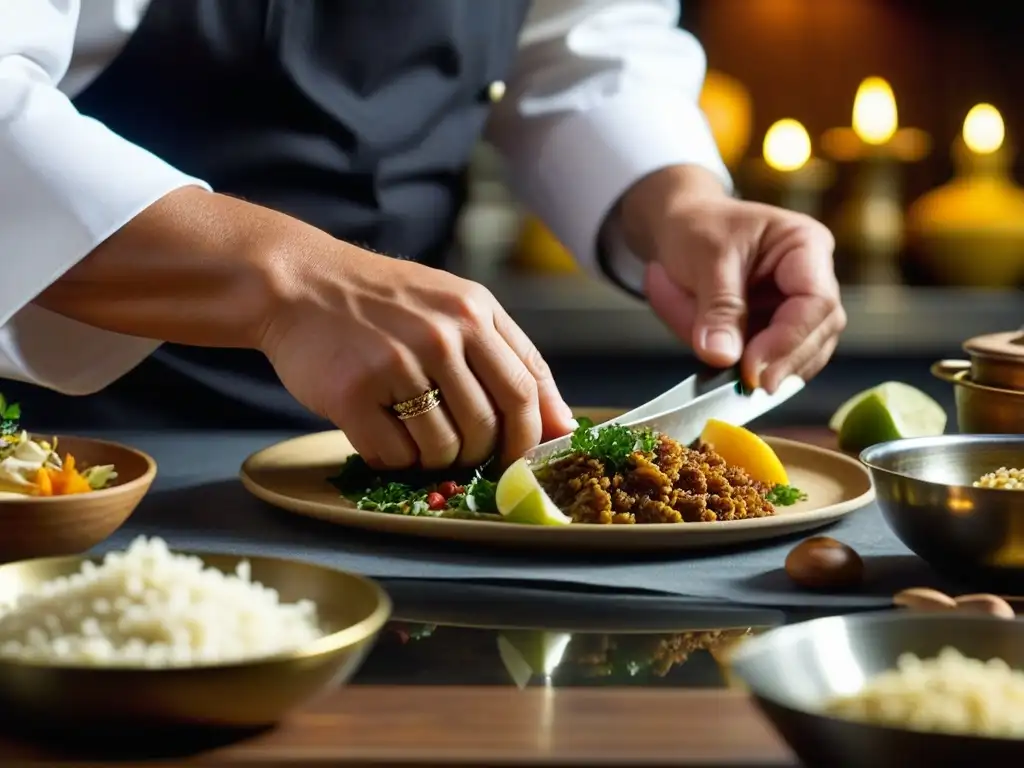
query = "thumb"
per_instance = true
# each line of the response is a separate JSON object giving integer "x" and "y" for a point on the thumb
{"x": 721, "y": 310}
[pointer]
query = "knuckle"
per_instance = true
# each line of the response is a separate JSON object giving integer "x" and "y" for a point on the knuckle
{"x": 536, "y": 363}
{"x": 443, "y": 451}
{"x": 389, "y": 359}
{"x": 840, "y": 318}
{"x": 522, "y": 391}
{"x": 398, "y": 455}
{"x": 438, "y": 342}
{"x": 725, "y": 305}
{"x": 474, "y": 306}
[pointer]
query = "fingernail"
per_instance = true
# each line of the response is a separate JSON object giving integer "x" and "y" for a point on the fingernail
{"x": 574, "y": 424}
{"x": 566, "y": 411}
{"x": 722, "y": 342}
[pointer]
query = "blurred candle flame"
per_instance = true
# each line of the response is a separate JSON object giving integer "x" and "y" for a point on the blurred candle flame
{"x": 787, "y": 145}
{"x": 874, "y": 112}
{"x": 984, "y": 130}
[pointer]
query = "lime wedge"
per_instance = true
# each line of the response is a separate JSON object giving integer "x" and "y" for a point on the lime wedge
{"x": 516, "y": 482}
{"x": 526, "y": 653}
{"x": 520, "y": 499}
{"x": 536, "y": 509}
{"x": 890, "y": 411}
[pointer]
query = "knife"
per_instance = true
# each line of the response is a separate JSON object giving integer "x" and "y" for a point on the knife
{"x": 682, "y": 412}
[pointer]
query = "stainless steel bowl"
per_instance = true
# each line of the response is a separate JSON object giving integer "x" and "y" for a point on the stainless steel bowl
{"x": 793, "y": 671}
{"x": 924, "y": 489}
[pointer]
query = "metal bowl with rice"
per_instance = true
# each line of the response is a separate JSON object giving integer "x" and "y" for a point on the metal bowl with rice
{"x": 795, "y": 673}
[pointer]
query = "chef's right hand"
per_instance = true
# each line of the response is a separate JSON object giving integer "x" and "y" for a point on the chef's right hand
{"x": 357, "y": 333}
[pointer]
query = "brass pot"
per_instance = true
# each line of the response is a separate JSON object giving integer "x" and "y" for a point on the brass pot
{"x": 981, "y": 409}
{"x": 997, "y": 360}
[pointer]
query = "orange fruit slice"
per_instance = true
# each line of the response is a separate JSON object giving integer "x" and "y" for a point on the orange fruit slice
{"x": 742, "y": 448}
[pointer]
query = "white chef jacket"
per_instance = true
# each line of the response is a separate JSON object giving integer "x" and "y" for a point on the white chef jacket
{"x": 602, "y": 93}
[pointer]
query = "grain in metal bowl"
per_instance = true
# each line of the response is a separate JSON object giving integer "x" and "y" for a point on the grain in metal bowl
{"x": 795, "y": 672}
{"x": 225, "y": 692}
{"x": 926, "y": 490}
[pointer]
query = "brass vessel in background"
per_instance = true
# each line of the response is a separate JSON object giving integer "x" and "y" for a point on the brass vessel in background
{"x": 970, "y": 231}
{"x": 997, "y": 360}
{"x": 989, "y": 389}
{"x": 981, "y": 409}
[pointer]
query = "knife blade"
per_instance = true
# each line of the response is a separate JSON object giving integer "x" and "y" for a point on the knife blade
{"x": 729, "y": 402}
{"x": 681, "y": 412}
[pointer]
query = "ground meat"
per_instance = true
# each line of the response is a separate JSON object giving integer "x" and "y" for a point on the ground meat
{"x": 671, "y": 484}
{"x": 598, "y": 653}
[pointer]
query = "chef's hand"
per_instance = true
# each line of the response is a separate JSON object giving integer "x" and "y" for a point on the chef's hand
{"x": 743, "y": 282}
{"x": 360, "y": 332}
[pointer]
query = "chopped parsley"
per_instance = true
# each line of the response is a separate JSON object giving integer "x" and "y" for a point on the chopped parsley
{"x": 408, "y": 491}
{"x": 612, "y": 445}
{"x": 785, "y": 495}
{"x": 478, "y": 496}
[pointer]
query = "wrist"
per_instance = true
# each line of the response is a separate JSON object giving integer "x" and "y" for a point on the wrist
{"x": 653, "y": 199}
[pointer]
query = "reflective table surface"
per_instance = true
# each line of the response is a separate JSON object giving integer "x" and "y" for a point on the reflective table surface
{"x": 487, "y": 674}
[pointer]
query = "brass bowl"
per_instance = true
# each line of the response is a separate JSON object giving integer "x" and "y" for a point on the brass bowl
{"x": 235, "y": 696}
{"x": 924, "y": 487}
{"x": 981, "y": 409}
{"x": 51, "y": 526}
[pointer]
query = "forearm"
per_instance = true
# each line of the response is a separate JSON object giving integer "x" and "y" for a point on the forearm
{"x": 194, "y": 268}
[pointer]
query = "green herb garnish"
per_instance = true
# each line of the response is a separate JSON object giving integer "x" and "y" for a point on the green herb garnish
{"x": 393, "y": 497}
{"x": 785, "y": 495}
{"x": 404, "y": 492}
{"x": 478, "y": 496}
{"x": 612, "y": 445}
{"x": 10, "y": 415}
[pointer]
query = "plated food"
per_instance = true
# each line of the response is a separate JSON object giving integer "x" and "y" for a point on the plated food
{"x": 949, "y": 693}
{"x": 33, "y": 466}
{"x": 301, "y": 475}
{"x": 609, "y": 475}
{"x": 149, "y": 607}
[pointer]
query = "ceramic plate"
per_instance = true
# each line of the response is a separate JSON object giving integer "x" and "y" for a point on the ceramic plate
{"x": 293, "y": 475}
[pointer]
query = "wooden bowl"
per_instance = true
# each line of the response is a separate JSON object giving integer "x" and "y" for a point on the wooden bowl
{"x": 52, "y": 526}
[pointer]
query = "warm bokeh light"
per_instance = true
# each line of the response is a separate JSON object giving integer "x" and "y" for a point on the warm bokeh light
{"x": 984, "y": 130}
{"x": 787, "y": 145}
{"x": 874, "y": 111}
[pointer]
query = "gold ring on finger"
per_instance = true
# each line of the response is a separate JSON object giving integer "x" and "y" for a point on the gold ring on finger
{"x": 417, "y": 406}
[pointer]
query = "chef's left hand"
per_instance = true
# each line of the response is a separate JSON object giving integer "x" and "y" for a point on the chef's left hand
{"x": 741, "y": 281}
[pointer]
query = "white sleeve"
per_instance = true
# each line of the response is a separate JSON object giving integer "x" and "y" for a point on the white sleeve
{"x": 66, "y": 184}
{"x": 603, "y": 93}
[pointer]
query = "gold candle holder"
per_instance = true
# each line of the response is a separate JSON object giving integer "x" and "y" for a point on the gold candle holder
{"x": 870, "y": 223}
{"x": 970, "y": 231}
{"x": 786, "y": 174}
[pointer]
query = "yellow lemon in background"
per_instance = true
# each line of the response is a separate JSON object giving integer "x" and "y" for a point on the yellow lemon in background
{"x": 540, "y": 251}
{"x": 728, "y": 107}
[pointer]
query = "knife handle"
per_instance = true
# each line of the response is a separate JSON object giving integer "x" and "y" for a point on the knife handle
{"x": 710, "y": 379}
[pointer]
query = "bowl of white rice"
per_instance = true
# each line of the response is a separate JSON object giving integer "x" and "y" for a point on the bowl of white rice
{"x": 155, "y": 638}
{"x": 891, "y": 689}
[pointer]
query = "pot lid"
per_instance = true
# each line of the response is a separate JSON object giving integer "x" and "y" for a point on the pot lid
{"x": 1006, "y": 346}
